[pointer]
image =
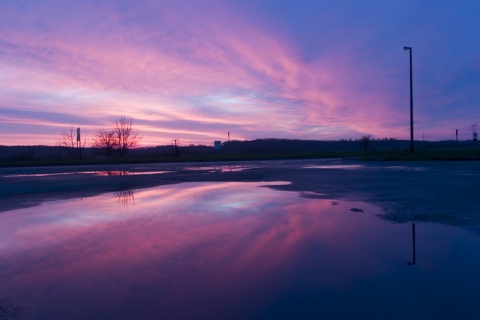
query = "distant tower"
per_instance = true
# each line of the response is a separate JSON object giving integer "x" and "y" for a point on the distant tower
{"x": 474, "y": 131}
{"x": 229, "y": 145}
{"x": 177, "y": 151}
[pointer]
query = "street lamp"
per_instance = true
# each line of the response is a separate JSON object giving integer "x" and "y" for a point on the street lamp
{"x": 411, "y": 99}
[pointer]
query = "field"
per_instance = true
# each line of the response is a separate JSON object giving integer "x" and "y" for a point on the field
{"x": 261, "y": 149}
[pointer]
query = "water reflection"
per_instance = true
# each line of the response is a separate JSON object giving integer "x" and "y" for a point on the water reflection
{"x": 100, "y": 173}
{"x": 219, "y": 168}
{"x": 124, "y": 173}
{"x": 114, "y": 173}
{"x": 43, "y": 174}
{"x": 414, "y": 256}
{"x": 230, "y": 251}
{"x": 125, "y": 198}
{"x": 405, "y": 168}
{"x": 337, "y": 166}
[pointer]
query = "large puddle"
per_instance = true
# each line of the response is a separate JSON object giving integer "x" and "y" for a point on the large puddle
{"x": 230, "y": 251}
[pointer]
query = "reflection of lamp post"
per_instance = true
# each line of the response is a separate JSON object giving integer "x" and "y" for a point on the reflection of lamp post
{"x": 413, "y": 247}
{"x": 411, "y": 99}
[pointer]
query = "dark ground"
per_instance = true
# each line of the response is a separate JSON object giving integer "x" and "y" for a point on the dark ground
{"x": 443, "y": 192}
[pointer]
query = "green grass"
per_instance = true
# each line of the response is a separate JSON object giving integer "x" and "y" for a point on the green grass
{"x": 371, "y": 155}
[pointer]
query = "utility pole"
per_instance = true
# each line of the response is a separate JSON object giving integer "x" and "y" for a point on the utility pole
{"x": 411, "y": 99}
{"x": 456, "y": 139}
{"x": 79, "y": 145}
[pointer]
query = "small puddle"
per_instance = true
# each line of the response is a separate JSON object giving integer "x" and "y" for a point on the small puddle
{"x": 44, "y": 174}
{"x": 231, "y": 251}
{"x": 218, "y": 169}
{"x": 404, "y": 168}
{"x": 127, "y": 173}
{"x": 337, "y": 166}
{"x": 99, "y": 173}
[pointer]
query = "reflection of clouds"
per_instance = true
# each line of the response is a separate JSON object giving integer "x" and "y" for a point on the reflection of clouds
{"x": 114, "y": 173}
{"x": 189, "y": 243}
{"x": 220, "y": 168}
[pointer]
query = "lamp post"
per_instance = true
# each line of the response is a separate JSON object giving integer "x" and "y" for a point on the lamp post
{"x": 411, "y": 99}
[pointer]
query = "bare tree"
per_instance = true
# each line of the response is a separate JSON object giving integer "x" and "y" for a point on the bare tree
{"x": 125, "y": 138}
{"x": 120, "y": 137}
{"x": 105, "y": 139}
{"x": 365, "y": 141}
{"x": 68, "y": 142}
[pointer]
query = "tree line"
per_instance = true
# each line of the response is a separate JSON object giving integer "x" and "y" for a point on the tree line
{"x": 238, "y": 150}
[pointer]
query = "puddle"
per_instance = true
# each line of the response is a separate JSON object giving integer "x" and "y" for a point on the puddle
{"x": 337, "y": 166}
{"x": 127, "y": 173}
{"x": 45, "y": 174}
{"x": 232, "y": 251}
{"x": 313, "y": 195}
{"x": 218, "y": 169}
{"x": 360, "y": 166}
{"x": 100, "y": 173}
{"x": 404, "y": 168}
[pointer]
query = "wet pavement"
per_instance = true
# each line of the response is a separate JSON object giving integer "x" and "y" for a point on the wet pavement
{"x": 443, "y": 192}
{"x": 232, "y": 250}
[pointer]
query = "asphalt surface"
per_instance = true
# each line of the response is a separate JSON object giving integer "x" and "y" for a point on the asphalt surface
{"x": 441, "y": 192}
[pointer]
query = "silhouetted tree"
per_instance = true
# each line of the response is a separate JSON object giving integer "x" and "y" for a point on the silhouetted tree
{"x": 365, "y": 141}
{"x": 124, "y": 136}
{"x": 105, "y": 139}
{"x": 68, "y": 142}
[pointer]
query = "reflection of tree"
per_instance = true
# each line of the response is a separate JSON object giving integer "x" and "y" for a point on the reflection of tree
{"x": 114, "y": 173}
{"x": 125, "y": 198}
{"x": 414, "y": 256}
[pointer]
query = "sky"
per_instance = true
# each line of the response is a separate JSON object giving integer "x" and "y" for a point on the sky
{"x": 195, "y": 70}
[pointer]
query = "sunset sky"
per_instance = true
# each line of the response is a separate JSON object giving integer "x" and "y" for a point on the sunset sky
{"x": 195, "y": 70}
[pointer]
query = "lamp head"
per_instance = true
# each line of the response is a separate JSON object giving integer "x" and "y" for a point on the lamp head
{"x": 407, "y": 48}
